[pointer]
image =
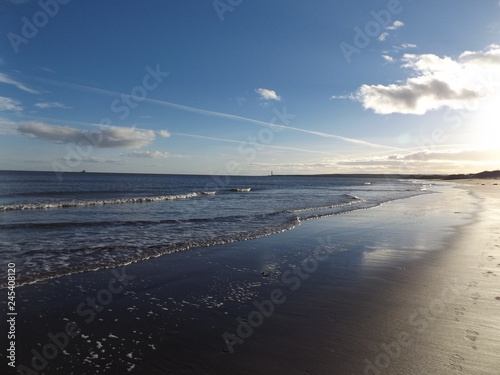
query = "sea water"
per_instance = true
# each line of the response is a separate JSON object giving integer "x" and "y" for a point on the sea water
{"x": 88, "y": 221}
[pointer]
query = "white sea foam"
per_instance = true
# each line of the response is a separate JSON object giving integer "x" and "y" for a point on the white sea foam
{"x": 208, "y": 192}
{"x": 100, "y": 202}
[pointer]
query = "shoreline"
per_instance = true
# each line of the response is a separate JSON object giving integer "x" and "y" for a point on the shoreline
{"x": 292, "y": 224}
{"x": 342, "y": 290}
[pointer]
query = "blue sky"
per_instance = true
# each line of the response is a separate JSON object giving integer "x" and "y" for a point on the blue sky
{"x": 249, "y": 87}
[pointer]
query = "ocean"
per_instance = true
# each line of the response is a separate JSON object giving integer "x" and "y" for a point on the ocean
{"x": 51, "y": 227}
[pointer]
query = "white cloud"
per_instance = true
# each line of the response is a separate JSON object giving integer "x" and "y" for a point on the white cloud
{"x": 396, "y": 50}
{"x": 4, "y": 78}
{"x": 266, "y": 94}
{"x": 154, "y": 155}
{"x": 114, "y": 136}
{"x": 395, "y": 25}
{"x": 414, "y": 97}
{"x": 348, "y": 96}
{"x": 388, "y": 58}
{"x": 50, "y": 105}
{"x": 383, "y": 36}
{"x": 491, "y": 56}
{"x": 437, "y": 82}
{"x": 106, "y": 137}
{"x": 163, "y": 133}
{"x": 7, "y": 104}
{"x": 408, "y": 45}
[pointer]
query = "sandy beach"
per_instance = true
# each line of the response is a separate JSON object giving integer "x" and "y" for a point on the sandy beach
{"x": 409, "y": 287}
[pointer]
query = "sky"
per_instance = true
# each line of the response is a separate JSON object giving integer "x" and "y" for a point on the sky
{"x": 244, "y": 87}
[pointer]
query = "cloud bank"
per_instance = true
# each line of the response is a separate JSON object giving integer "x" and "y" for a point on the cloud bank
{"x": 464, "y": 155}
{"x": 431, "y": 161}
{"x": 106, "y": 137}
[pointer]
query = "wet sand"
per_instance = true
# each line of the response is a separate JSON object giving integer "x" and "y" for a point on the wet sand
{"x": 409, "y": 287}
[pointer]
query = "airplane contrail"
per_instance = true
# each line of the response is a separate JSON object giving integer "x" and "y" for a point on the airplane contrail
{"x": 216, "y": 114}
{"x": 249, "y": 143}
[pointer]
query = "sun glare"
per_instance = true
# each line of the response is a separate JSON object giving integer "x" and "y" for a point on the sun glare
{"x": 487, "y": 123}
